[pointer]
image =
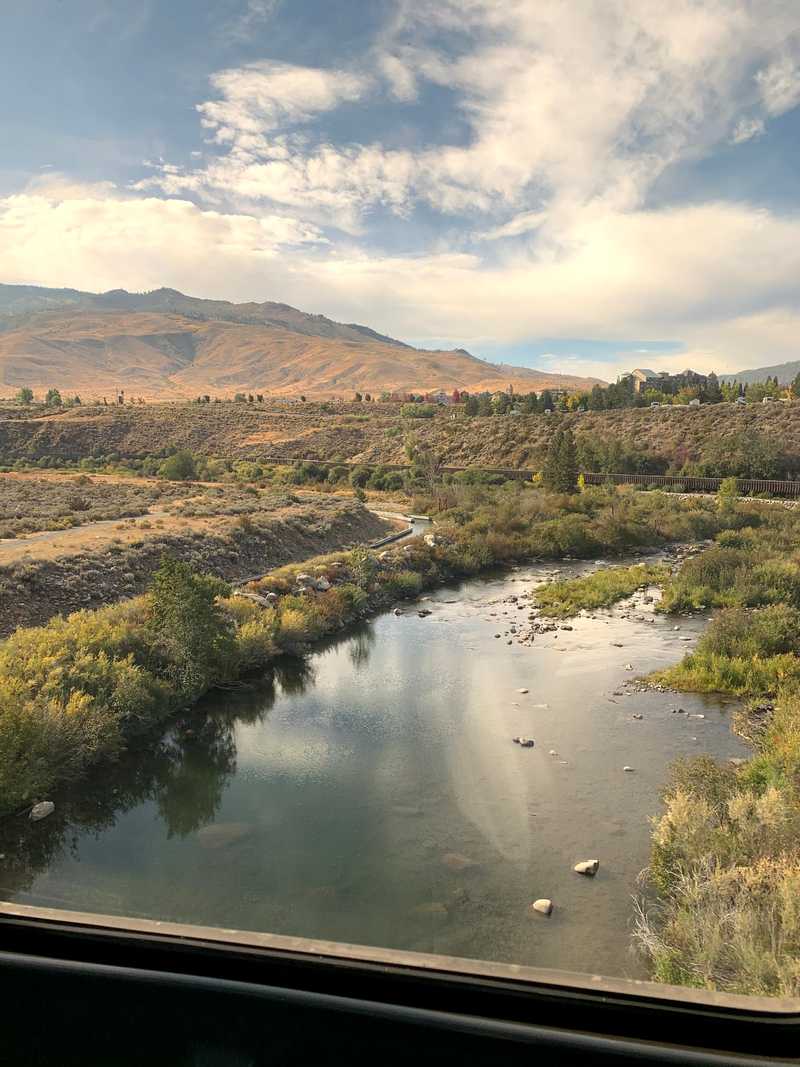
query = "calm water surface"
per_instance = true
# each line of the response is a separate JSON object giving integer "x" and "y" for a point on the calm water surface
{"x": 373, "y": 794}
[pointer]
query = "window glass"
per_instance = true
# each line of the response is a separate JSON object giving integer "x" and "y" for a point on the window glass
{"x": 399, "y": 455}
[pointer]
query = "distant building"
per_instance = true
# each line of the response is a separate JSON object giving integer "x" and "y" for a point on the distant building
{"x": 643, "y": 379}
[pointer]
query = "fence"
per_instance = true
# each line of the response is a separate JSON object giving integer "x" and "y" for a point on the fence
{"x": 747, "y": 486}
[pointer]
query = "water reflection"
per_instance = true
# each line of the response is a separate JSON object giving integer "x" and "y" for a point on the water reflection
{"x": 185, "y": 773}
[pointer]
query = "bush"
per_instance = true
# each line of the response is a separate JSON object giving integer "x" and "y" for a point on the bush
{"x": 418, "y": 411}
{"x": 179, "y": 467}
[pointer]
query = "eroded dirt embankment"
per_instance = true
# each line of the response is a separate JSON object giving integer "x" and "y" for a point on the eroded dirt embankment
{"x": 35, "y": 588}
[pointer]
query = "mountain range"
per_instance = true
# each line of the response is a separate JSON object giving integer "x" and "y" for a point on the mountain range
{"x": 164, "y": 344}
{"x": 784, "y": 372}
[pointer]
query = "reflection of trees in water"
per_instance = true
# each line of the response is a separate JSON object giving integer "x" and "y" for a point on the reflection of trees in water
{"x": 184, "y": 772}
{"x": 295, "y": 674}
{"x": 360, "y": 645}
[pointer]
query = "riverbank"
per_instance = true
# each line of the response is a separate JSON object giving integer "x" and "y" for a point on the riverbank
{"x": 725, "y": 859}
{"x": 104, "y": 562}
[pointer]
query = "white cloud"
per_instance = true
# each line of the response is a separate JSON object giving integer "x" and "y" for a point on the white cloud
{"x": 746, "y": 130}
{"x": 719, "y": 277}
{"x": 779, "y": 84}
{"x": 566, "y": 107}
{"x": 265, "y": 96}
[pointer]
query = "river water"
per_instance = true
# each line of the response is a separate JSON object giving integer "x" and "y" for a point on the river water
{"x": 372, "y": 794}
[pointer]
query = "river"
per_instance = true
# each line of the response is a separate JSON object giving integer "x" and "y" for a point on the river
{"x": 372, "y": 793}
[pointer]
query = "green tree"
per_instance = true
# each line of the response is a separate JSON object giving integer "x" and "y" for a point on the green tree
{"x": 186, "y": 629}
{"x": 472, "y": 407}
{"x": 597, "y": 399}
{"x": 179, "y": 467}
{"x": 712, "y": 393}
{"x": 560, "y": 471}
{"x": 728, "y": 494}
{"x": 795, "y": 387}
{"x": 363, "y": 567}
{"x": 485, "y": 405}
{"x": 53, "y": 398}
{"x": 546, "y": 401}
{"x": 25, "y": 395}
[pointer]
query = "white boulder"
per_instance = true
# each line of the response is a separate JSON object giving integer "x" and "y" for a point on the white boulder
{"x": 587, "y": 867}
{"x": 42, "y": 810}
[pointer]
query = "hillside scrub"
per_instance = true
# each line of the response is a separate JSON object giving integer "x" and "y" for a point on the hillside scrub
{"x": 560, "y": 599}
{"x": 722, "y": 439}
{"x": 725, "y": 859}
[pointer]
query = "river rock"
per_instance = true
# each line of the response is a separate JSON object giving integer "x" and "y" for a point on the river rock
{"x": 424, "y": 613}
{"x": 628, "y": 666}
{"x": 627, "y": 768}
{"x": 522, "y": 690}
{"x": 587, "y": 867}
{"x": 42, "y": 810}
{"x": 435, "y": 907}
{"x": 398, "y": 611}
{"x": 220, "y": 834}
{"x": 272, "y": 599}
{"x": 638, "y": 715}
{"x": 525, "y": 742}
{"x": 457, "y": 862}
{"x": 304, "y": 579}
{"x": 543, "y": 906}
{"x": 737, "y": 761}
{"x": 322, "y": 584}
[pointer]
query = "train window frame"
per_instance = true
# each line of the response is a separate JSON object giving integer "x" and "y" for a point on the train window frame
{"x": 527, "y": 1004}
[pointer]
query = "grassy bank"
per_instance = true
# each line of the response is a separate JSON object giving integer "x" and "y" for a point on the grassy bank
{"x": 563, "y": 598}
{"x": 74, "y": 691}
{"x": 726, "y": 851}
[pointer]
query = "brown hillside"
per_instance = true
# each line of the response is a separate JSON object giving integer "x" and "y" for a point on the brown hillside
{"x": 162, "y": 356}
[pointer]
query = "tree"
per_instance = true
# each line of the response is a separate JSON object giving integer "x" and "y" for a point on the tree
{"x": 560, "y": 472}
{"x": 53, "y": 398}
{"x": 179, "y": 467}
{"x": 485, "y": 405}
{"x": 186, "y": 629}
{"x": 25, "y": 395}
{"x": 472, "y": 406}
{"x": 796, "y": 385}
{"x": 546, "y": 401}
{"x": 727, "y": 495}
{"x": 712, "y": 394}
{"x": 597, "y": 399}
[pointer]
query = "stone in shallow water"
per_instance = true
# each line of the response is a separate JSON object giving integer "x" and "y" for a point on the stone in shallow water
{"x": 543, "y": 905}
{"x": 42, "y": 810}
{"x": 587, "y": 867}
{"x": 458, "y": 862}
{"x": 435, "y": 907}
{"x": 220, "y": 834}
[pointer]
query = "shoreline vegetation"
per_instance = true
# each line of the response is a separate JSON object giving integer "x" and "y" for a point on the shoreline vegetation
{"x": 562, "y": 599}
{"x": 725, "y": 863}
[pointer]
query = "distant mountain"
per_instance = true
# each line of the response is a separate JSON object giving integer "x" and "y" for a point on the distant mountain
{"x": 164, "y": 344}
{"x": 22, "y": 300}
{"x": 785, "y": 373}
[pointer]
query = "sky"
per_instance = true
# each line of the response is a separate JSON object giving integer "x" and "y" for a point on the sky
{"x": 582, "y": 187}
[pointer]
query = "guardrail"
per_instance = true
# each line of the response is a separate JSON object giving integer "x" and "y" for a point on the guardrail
{"x": 782, "y": 487}
{"x": 747, "y": 486}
